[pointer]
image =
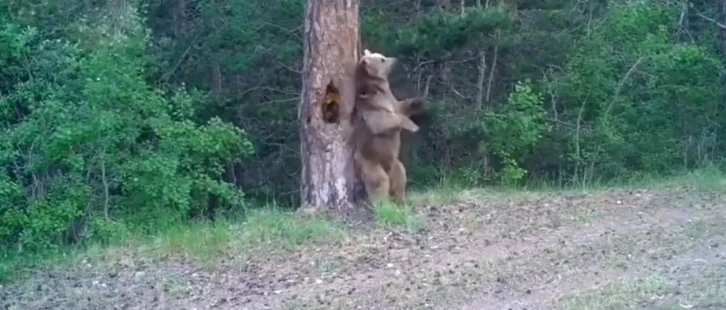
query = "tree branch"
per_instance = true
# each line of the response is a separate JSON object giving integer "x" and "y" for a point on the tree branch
{"x": 717, "y": 23}
{"x": 621, "y": 83}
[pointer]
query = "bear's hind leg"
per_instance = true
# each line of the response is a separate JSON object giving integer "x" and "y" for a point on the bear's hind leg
{"x": 376, "y": 181}
{"x": 398, "y": 180}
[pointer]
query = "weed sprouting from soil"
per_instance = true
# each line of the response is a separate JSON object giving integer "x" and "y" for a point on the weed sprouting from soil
{"x": 438, "y": 195}
{"x": 391, "y": 214}
{"x": 624, "y": 295}
{"x": 415, "y": 224}
{"x": 270, "y": 225}
{"x": 202, "y": 240}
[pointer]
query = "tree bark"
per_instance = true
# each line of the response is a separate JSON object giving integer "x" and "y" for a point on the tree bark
{"x": 480, "y": 80}
{"x": 445, "y": 66}
{"x": 482, "y": 70}
{"x": 329, "y": 179}
{"x": 722, "y": 30}
{"x": 491, "y": 70}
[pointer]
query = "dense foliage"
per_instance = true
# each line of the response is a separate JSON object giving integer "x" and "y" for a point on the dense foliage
{"x": 122, "y": 115}
{"x": 89, "y": 146}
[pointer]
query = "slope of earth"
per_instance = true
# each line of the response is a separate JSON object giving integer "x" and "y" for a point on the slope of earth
{"x": 626, "y": 249}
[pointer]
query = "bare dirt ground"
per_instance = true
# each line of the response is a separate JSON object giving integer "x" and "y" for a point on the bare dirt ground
{"x": 625, "y": 249}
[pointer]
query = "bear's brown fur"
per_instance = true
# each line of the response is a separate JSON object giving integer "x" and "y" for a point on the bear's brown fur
{"x": 375, "y": 101}
{"x": 380, "y": 117}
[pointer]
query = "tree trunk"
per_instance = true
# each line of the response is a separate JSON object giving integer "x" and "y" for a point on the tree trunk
{"x": 329, "y": 178}
{"x": 491, "y": 70}
{"x": 445, "y": 66}
{"x": 722, "y": 28}
{"x": 480, "y": 80}
{"x": 216, "y": 80}
{"x": 482, "y": 70}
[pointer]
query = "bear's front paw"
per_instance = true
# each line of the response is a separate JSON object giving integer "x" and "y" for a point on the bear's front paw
{"x": 416, "y": 104}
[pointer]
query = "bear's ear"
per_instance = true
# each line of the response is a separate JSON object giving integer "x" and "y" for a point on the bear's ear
{"x": 366, "y": 52}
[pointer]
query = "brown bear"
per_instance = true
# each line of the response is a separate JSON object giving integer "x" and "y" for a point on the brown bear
{"x": 379, "y": 119}
{"x": 375, "y": 101}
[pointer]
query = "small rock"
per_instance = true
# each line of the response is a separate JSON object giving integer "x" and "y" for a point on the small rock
{"x": 139, "y": 274}
{"x": 95, "y": 282}
{"x": 318, "y": 281}
{"x": 619, "y": 202}
{"x": 398, "y": 273}
{"x": 389, "y": 265}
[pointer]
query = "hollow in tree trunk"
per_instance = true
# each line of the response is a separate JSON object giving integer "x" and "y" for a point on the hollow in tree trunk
{"x": 329, "y": 178}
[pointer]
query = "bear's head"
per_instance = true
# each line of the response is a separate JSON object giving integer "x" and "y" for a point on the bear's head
{"x": 375, "y": 64}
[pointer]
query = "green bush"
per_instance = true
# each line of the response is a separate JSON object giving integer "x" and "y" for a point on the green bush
{"x": 92, "y": 150}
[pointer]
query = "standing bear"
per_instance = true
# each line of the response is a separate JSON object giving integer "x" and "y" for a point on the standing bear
{"x": 379, "y": 119}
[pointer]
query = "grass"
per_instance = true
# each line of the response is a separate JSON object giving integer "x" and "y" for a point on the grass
{"x": 709, "y": 177}
{"x": 626, "y": 295}
{"x": 276, "y": 228}
{"x": 442, "y": 194}
{"x": 266, "y": 227}
{"x": 175, "y": 287}
{"x": 205, "y": 242}
{"x": 270, "y": 225}
{"x": 389, "y": 214}
{"x": 704, "y": 291}
{"x": 708, "y": 291}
